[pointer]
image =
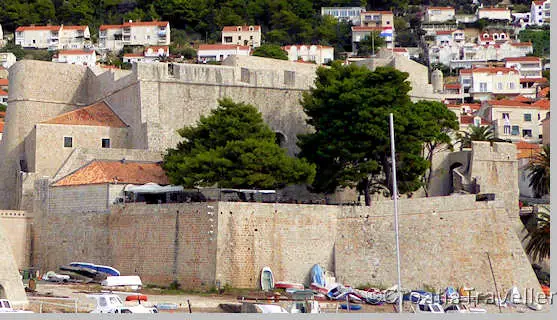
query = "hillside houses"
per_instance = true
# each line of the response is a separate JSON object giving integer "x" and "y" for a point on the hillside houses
{"x": 134, "y": 33}
{"x": 53, "y": 37}
{"x": 242, "y": 35}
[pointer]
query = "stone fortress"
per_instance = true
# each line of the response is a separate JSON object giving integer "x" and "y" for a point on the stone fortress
{"x": 62, "y": 118}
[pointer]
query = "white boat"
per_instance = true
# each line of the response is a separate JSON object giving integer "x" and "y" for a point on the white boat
{"x": 6, "y": 307}
{"x": 462, "y": 308}
{"x": 133, "y": 282}
{"x": 111, "y": 303}
{"x": 267, "y": 279}
{"x": 423, "y": 307}
{"x": 55, "y": 277}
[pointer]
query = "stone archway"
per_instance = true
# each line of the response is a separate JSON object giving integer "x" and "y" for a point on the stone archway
{"x": 451, "y": 168}
{"x": 2, "y": 292}
{"x": 280, "y": 139}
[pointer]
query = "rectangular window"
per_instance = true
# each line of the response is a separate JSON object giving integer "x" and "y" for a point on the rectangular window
{"x": 105, "y": 143}
{"x": 228, "y": 39}
{"x": 289, "y": 78}
{"x": 500, "y": 86}
{"x": 511, "y": 85}
{"x": 527, "y": 133}
{"x": 515, "y": 131}
{"x": 507, "y": 129}
{"x": 527, "y": 117}
{"x": 483, "y": 86}
{"x": 506, "y": 116}
{"x": 244, "y": 75}
{"x": 68, "y": 142}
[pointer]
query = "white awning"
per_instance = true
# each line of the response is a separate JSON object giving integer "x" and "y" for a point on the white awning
{"x": 152, "y": 188}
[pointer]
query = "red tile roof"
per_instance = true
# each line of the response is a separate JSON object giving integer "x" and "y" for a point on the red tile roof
{"x": 156, "y": 48}
{"x": 75, "y": 27}
{"x": 444, "y": 32}
{"x": 133, "y": 55}
{"x": 521, "y": 44}
{"x": 244, "y": 28}
{"x": 123, "y": 172}
{"x": 2, "y": 127}
{"x": 543, "y": 104}
{"x": 2, "y": 114}
{"x": 538, "y": 80}
{"x": 110, "y": 26}
{"x": 465, "y": 71}
{"x": 452, "y": 86}
{"x": 543, "y": 92}
{"x": 145, "y": 23}
{"x": 535, "y": 59}
{"x": 401, "y": 50}
{"x": 222, "y": 47}
{"x": 509, "y": 103}
{"x": 521, "y": 99}
{"x": 75, "y": 52}
{"x": 539, "y": 3}
{"x": 526, "y": 150}
{"x": 494, "y": 70}
{"x": 467, "y": 119}
{"x": 98, "y": 114}
{"x": 3, "y": 93}
{"x": 525, "y": 145}
{"x": 37, "y": 28}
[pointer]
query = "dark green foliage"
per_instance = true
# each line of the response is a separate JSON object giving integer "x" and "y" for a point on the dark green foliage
{"x": 539, "y": 39}
{"x": 371, "y": 44}
{"x": 270, "y": 51}
{"x": 3, "y": 107}
{"x": 233, "y": 148}
{"x": 538, "y": 239}
{"x": 349, "y": 109}
{"x": 475, "y": 133}
{"x": 15, "y": 49}
{"x": 539, "y": 172}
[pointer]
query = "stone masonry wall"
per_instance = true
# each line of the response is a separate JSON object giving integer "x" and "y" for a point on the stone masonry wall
{"x": 16, "y": 226}
{"x": 163, "y": 243}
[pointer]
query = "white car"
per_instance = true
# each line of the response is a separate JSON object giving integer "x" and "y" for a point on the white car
{"x": 429, "y": 308}
{"x": 111, "y": 303}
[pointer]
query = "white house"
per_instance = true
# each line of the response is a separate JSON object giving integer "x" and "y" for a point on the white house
{"x": 316, "y": 53}
{"x": 529, "y": 67}
{"x": 53, "y": 37}
{"x": 219, "y": 52}
{"x": 494, "y": 14}
{"x": 492, "y": 38}
{"x": 540, "y": 12}
{"x": 439, "y": 14}
{"x": 138, "y": 33}
{"x": 449, "y": 38}
{"x": 150, "y": 54}
{"x": 359, "y": 33}
{"x": 351, "y": 14}
{"x": 7, "y": 59}
{"x": 3, "y": 97}
{"x": 487, "y": 83}
{"x": 242, "y": 35}
{"x": 82, "y": 57}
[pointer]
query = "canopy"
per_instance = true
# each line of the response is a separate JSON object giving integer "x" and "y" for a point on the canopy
{"x": 152, "y": 188}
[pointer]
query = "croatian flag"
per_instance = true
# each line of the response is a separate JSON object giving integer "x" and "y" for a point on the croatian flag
{"x": 387, "y": 32}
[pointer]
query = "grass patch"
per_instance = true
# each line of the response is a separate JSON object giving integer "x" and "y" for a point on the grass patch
{"x": 175, "y": 289}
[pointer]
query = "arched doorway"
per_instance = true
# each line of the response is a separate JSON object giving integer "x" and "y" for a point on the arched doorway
{"x": 451, "y": 183}
{"x": 280, "y": 138}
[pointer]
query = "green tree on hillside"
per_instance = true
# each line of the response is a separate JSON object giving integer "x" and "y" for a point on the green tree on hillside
{"x": 349, "y": 110}
{"x": 475, "y": 133}
{"x": 442, "y": 123}
{"x": 371, "y": 44}
{"x": 270, "y": 51}
{"x": 233, "y": 148}
{"x": 540, "y": 40}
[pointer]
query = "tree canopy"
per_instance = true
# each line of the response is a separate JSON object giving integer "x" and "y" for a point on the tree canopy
{"x": 270, "y": 51}
{"x": 539, "y": 172}
{"x": 233, "y": 148}
{"x": 349, "y": 110}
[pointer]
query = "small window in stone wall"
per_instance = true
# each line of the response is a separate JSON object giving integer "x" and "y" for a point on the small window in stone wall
{"x": 290, "y": 78}
{"x": 245, "y": 75}
{"x": 68, "y": 142}
{"x": 105, "y": 143}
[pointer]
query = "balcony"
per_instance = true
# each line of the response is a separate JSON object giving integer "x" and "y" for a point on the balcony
{"x": 54, "y": 35}
{"x": 127, "y": 31}
{"x": 163, "y": 40}
{"x": 126, "y": 39}
{"x": 102, "y": 34}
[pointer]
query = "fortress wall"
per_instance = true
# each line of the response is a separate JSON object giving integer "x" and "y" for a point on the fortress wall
{"x": 178, "y": 104}
{"x": 11, "y": 286}
{"x": 163, "y": 243}
{"x": 443, "y": 242}
{"x": 102, "y": 84}
{"x": 16, "y": 226}
{"x": 289, "y": 239}
{"x": 126, "y": 103}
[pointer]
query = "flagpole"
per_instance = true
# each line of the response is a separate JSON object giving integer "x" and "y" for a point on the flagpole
{"x": 395, "y": 201}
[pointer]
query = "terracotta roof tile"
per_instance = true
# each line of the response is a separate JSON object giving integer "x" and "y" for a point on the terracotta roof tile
{"x": 444, "y": 32}
{"x": 539, "y": 80}
{"x": 467, "y": 119}
{"x": 543, "y": 92}
{"x": 75, "y": 27}
{"x": 535, "y": 59}
{"x": 98, "y": 114}
{"x": 1, "y": 126}
{"x": 37, "y": 28}
{"x": 104, "y": 171}
{"x": 543, "y": 104}
{"x": 305, "y": 45}
{"x": 494, "y": 9}
{"x": 2, "y": 114}
{"x": 361, "y": 28}
{"x": 509, "y": 103}
{"x": 399, "y": 49}
{"x": 522, "y": 99}
{"x": 244, "y": 28}
{"x": 521, "y": 44}
{"x": 145, "y": 23}
{"x": 3, "y": 93}
{"x": 494, "y": 70}
{"x": 526, "y": 150}
{"x": 133, "y": 55}
{"x": 110, "y": 26}
{"x": 452, "y": 86}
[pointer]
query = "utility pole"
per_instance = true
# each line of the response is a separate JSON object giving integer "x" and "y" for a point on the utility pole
{"x": 395, "y": 196}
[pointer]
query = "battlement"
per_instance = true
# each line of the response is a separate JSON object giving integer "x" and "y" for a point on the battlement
{"x": 500, "y": 151}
